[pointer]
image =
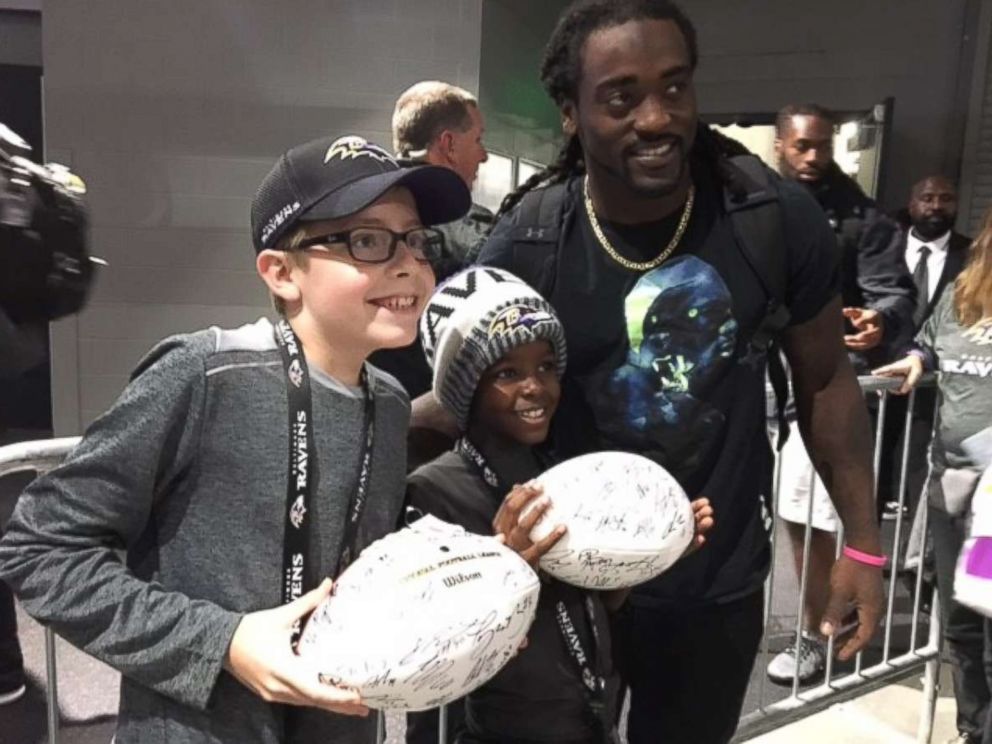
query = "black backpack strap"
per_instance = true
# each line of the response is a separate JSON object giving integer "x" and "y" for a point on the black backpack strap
{"x": 535, "y": 236}
{"x": 756, "y": 216}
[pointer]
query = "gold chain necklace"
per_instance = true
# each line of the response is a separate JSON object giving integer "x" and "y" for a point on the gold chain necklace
{"x": 626, "y": 262}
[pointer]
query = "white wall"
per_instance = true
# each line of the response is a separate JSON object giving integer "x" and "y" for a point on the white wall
{"x": 173, "y": 112}
{"x": 848, "y": 55}
{"x": 758, "y": 55}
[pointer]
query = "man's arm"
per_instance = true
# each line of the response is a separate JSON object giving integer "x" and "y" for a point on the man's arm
{"x": 885, "y": 281}
{"x": 427, "y": 413}
{"x": 834, "y": 425}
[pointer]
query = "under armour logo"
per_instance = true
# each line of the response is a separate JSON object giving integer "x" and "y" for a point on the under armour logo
{"x": 534, "y": 233}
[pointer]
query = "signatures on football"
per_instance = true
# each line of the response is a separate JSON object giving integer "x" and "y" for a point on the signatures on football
{"x": 599, "y": 569}
{"x": 462, "y": 656}
{"x": 603, "y": 517}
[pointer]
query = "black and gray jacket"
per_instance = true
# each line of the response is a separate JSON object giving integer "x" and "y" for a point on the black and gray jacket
{"x": 873, "y": 270}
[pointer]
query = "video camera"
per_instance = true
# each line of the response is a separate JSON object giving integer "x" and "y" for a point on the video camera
{"x": 45, "y": 267}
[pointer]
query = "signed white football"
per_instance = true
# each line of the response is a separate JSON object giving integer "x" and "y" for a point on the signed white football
{"x": 628, "y": 520}
{"x": 422, "y": 617}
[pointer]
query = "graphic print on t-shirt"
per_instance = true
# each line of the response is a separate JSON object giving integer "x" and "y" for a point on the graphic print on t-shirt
{"x": 682, "y": 335}
{"x": 980, "y": 334}
{"x": 965, "y": 361}
{"x": 979, "y": 365}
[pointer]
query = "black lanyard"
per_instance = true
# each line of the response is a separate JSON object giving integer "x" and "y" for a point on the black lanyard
{"x": 297, "y": 571}
{"x": 585, "y": 660}
{"x": 593, "y": 683}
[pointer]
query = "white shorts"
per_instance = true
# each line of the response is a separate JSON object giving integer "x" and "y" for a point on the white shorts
{"x": 796, "y": 477}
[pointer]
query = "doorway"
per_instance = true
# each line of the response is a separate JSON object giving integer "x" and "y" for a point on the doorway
{"x": 859, "y": 141}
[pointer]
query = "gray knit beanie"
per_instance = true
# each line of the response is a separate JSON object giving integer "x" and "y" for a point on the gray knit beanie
{"x": 472, "y": 321}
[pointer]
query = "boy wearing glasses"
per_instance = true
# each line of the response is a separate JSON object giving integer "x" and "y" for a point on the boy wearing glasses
{"x": 239, "y": 467}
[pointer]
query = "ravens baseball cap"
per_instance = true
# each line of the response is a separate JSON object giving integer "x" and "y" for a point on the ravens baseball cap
{"x": 330, "y": 178}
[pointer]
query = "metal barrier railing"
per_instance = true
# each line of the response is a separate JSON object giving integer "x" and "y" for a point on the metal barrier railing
{"x": 41, "y": 456}
{"x": 891, "y": 668}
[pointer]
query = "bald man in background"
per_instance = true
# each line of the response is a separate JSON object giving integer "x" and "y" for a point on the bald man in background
{"x": 934, "y": 254}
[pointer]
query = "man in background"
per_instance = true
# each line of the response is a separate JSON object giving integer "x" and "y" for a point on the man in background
{"x": 439, "y": 124}
{"x": 877, "y": 290}
{"x": 878, "y": 297}
{"x": 934, "y": 255}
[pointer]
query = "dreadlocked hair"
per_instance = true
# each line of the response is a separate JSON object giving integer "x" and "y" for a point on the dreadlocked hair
{"x": 713, "y": 150}
{"x": 561, "y": 70}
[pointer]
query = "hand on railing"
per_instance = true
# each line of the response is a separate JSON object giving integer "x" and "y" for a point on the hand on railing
{"x": 854, "y": 588}
{"x": 909, "y": 367}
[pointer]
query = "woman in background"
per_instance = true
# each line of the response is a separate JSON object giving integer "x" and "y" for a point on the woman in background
{"x": 956, "y": 342}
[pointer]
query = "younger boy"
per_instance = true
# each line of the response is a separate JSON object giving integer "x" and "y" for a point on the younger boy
{"x": 497, "y": 351}
{"x": 240, "y": 466}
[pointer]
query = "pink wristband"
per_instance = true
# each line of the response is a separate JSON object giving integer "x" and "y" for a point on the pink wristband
{"x": 867, "y": 558}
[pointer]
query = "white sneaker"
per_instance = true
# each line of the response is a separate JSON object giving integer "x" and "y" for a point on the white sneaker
{"x": 13, "y": 695}
{"x": 812, "y": 660}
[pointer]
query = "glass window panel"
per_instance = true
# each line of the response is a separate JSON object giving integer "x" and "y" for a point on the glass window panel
{"x": 494, "y": 182}
{"x": 526, "y": 169}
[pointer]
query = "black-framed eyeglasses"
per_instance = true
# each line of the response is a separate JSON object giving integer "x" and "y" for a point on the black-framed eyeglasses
{"x": 378, "y": 244}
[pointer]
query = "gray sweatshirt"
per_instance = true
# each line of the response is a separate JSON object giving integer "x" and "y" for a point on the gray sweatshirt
{"x": 187, "y": 474}
{"x": 962, "y": 442}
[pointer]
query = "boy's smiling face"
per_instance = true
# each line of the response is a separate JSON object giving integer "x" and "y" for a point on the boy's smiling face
{"x": 346, "y": 308}
{"x": 517, "y": 396}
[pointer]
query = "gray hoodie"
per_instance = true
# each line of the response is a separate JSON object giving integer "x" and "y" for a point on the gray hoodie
{"x": 186, "y": 473}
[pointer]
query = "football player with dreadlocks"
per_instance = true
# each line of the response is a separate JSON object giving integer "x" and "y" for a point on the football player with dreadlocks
{"x": 650, "y": 236}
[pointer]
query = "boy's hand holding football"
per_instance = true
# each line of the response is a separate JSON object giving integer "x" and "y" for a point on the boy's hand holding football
{"x": 260, "y": 657}
{"x": 515, "y": 529}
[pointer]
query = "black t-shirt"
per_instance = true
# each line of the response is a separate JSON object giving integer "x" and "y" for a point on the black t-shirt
{"x": 658, "y": 364}
{"x": 538, "y": 696}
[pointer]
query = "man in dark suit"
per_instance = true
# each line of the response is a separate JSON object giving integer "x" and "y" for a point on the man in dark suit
{"x": 934, "y": 255}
